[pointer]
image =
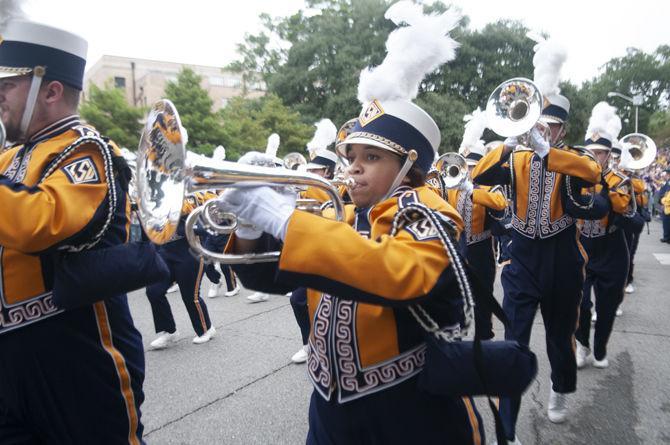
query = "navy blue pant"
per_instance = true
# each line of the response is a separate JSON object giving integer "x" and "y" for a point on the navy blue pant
{"x": 187, "y": 272}
{"x": 481, "y": 258}
{"x": 301, "y": 312}
{"x": 399, "y": 415}
{"x": 547, "y": 273}
{"x": 632, "y": 240}
{"x": 666, "y": 227}
{"x": 606, "y": 274}
{"x": 74, "y": 378}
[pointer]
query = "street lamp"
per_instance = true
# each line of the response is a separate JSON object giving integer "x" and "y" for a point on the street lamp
{"x": 635, "y": 100}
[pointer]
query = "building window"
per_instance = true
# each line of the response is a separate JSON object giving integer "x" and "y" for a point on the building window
{"x": 216, "y": 81}
{"x": 233, "y": 82}
{"x": 120, "y": 82}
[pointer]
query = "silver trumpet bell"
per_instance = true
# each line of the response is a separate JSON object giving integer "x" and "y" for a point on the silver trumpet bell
{"x": 453, "y": 168}
{"x": 642, "y": 149}
{"x": 164, "y": 176}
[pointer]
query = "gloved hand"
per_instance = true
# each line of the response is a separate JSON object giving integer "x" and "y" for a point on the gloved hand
{"x": 511, "y": 142}
{"x": 267, "y": 208}
{"x": 467, "y": 186}
{"x": 257, "y": 158}
{"x": 246, "y": 230}
{"x": 539, "y": 143}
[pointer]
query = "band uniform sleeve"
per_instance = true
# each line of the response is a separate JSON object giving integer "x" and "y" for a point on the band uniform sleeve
{"x": 39, "y": 217}
{"x": 493, "y": 168}
{"x": 573, "y": 164}
{"x": 392, "y": 270}
{"x": 491, "y": 200}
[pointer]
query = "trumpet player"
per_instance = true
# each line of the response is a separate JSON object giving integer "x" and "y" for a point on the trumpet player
{"x": 604, "y": 242}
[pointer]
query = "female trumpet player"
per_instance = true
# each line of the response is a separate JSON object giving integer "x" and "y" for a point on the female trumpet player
{"x": 365, "y": 350}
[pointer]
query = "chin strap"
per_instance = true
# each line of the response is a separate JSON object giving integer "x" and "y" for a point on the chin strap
{"x": 411, "y": 157}
{"x": 31, "y": 100}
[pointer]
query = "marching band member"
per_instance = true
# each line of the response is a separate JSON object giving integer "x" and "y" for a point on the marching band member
{"x": 480, "y": 207}
{"x": 664, "y": 194}
{"x": 365, "y": 348}
{"x": 188, "y": 273}
{"x": 604, "y": 242}
{"x": 66, "y": 375}
{"x": 546, "y": 261}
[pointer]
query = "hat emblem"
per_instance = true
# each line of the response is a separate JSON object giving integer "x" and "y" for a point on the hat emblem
{"x": 372, "y": 112}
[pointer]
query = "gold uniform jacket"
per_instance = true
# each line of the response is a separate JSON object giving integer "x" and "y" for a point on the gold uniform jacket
{"x": 49, "y": 204}
{"x": 475, "y": 210}
{"x": 619, "y": 197}
{"x": 360, "y": 281}
{"x": 543, "y": 189}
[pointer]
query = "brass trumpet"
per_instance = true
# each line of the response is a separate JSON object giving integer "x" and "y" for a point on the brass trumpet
{"x": 164, "y": 176}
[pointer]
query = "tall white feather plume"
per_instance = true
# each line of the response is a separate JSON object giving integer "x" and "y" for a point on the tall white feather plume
{"x": 273, "y": 145}
{"x": 10, "y": 10}
{"x": 411, "y": 52}
{"x": 604, "y": 122}
{"x": 325, "y": 134}
{"x": 548, "y": 60}
{"x": 475, "y": 124}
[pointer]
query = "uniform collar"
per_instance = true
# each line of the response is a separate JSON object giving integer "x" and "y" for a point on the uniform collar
{"x": 55, "y": 128}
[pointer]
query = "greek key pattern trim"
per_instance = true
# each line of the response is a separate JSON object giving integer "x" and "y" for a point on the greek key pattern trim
{"x": 528, "y": 227}
{"x": 354, "y": 381}
{"x": 27, "y": 312}
{"x": 548, "y": 227}
{"x": 318, "y": 362}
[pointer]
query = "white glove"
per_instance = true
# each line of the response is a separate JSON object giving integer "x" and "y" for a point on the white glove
{"x": 538, "y": 143}
{"x": 467, "y": 186}
{"x": 246, "y": 230}
{"x": 511, "y": 142}
{"x": 266, "y": 208}
{"x": 257, "y": 158}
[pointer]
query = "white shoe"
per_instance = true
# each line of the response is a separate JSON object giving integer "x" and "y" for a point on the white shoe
{"x": 164, "y": 340}
{"x": 301, "y": 355}
{"x": 232, "y": 293}
{"x": 619, "y": 311}
{"x": 630, "y": 288}
{"x": 214, "y": 290}
{"x": 558, "y": 407}
{"x": 583, "y": 356}
{"x": 204, "y": 338}
{"x": 258, "y": 297}
{"x": 601, "y": 364}
{"x": 173, "y": 288}
{"x": 594, "y": 317}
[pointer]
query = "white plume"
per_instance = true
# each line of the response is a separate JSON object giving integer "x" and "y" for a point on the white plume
{"x": 325, "y": 134}
{"x": 548, "y": 60}
{"x": 219, "y": 153}
{"x": 411, "y": 52}
{"x": 475, "y": 124}
{"x": 604, "y": 122}
{"x": 273, "y": 145}
{"x": 10, "y": 10}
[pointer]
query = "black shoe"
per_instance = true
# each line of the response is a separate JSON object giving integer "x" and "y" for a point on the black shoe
{"x": 665, "y": 240}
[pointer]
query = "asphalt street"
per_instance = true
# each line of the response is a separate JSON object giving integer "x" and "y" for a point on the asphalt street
{"x": 241, "y": 387}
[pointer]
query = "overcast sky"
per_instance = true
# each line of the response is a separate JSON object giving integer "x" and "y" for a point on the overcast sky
{"x": 206, "y": 31}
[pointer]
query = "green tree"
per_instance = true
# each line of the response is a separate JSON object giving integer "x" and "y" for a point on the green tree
{"x": 247, "y": 123}
{"x": 107, "y": 110}
{"x": 195, "y": 110}
{"x": 659, "y": 127}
